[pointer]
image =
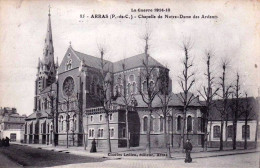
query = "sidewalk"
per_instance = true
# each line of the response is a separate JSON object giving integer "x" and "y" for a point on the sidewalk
{"x": 138, "y": 153}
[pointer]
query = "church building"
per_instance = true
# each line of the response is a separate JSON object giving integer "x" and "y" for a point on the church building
{"x": 67, "y": 109}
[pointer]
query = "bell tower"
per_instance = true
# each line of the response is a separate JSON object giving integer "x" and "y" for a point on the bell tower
{"x": 46, "y": 73}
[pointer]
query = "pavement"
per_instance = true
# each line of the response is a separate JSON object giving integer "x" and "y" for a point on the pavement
{"x": 138, "y": 153}
{"x": 233, "y": 161}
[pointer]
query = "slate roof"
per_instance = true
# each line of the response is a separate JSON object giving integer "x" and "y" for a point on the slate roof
{"x": 174, "y": 101}
{"x": 92, "y": 61}
{"x": 214, "y": 113}
{"x": 131, "y": 62}
{"x": 33, "y": 115}
{"x": 135, "y": 61}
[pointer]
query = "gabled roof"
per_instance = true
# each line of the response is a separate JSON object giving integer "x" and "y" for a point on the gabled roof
{"x": 33, "y": 115}
{"x": 92, "y": 61}
{"x": 134, "y": 62}
{"x": 130, "y": 63}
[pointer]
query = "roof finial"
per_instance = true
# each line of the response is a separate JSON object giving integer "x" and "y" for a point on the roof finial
{"x": 70, "y": 43}
{"x": 49, "y": 10}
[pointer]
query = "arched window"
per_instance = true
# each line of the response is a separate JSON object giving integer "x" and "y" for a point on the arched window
{"x": 110, "y": 117}
{"x": 246, "y": 132}
{"x": 216, "y": 131}
{"x": 112, "y": 132}
{"x": 25, "y": 128}
{"x": 116, "y": 90}
{"x": 100, "y": 118}
{"x": 169, "y": 123}
{"x": 48, "y": 128}
{"x": 121, "y": 91}
{"x": 134, "y": 87}
{"x": 230, "y": 131}
{"x": 145, "y": 122}
{"x": 39, "y": 105}
{"x": 69, "y": 64}
{"x": 161, "y": 123}
{"x": 151, "y": 84}
{"x": 89, "y": 134}
{"x": 189, "y": 124}
{"x": 128, "y": 88}
{"x": 68, "y": 123}
{"x": 91, "y": 118}
{"x": 131, "y": 78}
{"x": 144, "y": 87}
{"x": 92, "y": 132}
{"x": 178, "y": 123}
{"x": 31, "y": 128}
{"x": 74, "y": 123}
{"x": 152, "y": 121}
{"x": 61, "y": 123}
{"x": 45, "y": 103}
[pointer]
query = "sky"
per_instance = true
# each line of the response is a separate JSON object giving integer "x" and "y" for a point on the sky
{"x": 234, "y": 35}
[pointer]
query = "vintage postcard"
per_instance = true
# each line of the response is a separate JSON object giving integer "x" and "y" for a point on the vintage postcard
{"x": 129, "y": 83}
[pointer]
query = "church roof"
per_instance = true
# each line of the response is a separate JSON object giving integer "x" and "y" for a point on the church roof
{"x": 174, "y": 101}
{"x": 33, "y": 115}
{"x": 130, "y": 63}
{"x": 134, "y": 62}
{"x": 92, "y": 61}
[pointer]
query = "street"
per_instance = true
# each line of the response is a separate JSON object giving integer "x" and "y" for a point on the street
{"x": 25, "y": 156}
{"x": 18, "y": 156}
{"x": 242, "y": 160}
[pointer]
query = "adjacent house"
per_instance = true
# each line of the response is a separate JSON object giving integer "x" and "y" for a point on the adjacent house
{"x": 11, "y": 124}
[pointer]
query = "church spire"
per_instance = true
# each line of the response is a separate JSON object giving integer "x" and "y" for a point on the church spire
{"x": 48, "y": 51}
{"x": 47, "y": 67}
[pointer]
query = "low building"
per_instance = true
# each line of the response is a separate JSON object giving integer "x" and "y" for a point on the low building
{"x": 214, "y": 125}
{"x": 11, "y": 124}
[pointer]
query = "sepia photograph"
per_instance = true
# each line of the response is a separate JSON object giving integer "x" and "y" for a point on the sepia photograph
{"x": 134, "y": 84}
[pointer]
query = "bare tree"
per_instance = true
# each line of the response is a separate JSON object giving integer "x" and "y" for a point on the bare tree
{"x": 208, "y": 94}
{"x": 235, "y": 108}
{"x": 67, "y": 101}
{"x": 127, "y": 98}
{"x": 105, "y": 96}
{"x": 224, "y": 101}
{"x": 52, "y": 114}
{"x": 247, "y": 110}
{"x": 165, "y": 97}
{"x": 148, "y": 87}
{"x": 186, "y": 81}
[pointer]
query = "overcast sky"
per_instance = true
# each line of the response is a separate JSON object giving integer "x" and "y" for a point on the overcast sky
{"x": 23, "y": 25}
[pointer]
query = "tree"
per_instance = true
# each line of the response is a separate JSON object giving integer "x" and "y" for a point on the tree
{"x": 148, "y": 87}
{"x": 208, "y": 95}
{"x": 105, "y": 88}
{"x": 80, "y": 102}
{"x": 127, "y": 100}
{"x": 247, "y": 110}
{"x": 223, "y": 103}
{"x": 235, "y": 108}
{"x": 186, "y": 81}
{"x": 52, "y": 114}
{"x": 67, "y": 101}
{"x": 165, "y": 96}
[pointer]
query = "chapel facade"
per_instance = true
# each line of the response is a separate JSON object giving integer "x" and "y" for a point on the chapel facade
{"x": 67, "y": 107}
